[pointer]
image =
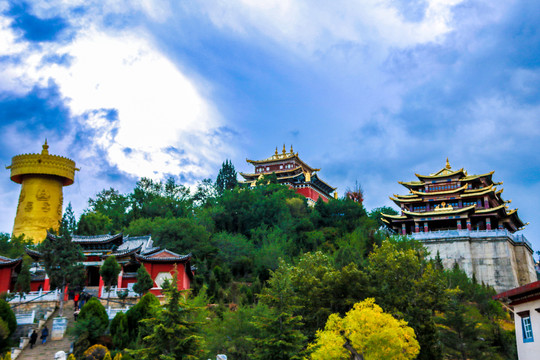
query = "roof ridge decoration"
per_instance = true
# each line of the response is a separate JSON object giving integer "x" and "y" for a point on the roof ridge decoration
{"x": 283, "y": 156}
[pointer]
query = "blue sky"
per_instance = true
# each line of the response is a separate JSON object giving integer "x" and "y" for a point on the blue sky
{"x": 368, "y": 91}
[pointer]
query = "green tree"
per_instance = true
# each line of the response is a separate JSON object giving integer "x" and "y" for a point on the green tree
{"x": 230, "y": 333}
{"x": 227, "y": 178}
{"x": 94, "y": 223}
{"x": 144, "y": 309}
{"x": 14, "y": 246}
{"x": 279, "y": 331}
{"x": 8, "y": 324}
{"x": 406, "y": 285}
{"x": 69, "y": 219}
{"x": 114, "y": 206}
{"x": 22, "y": 285}
{"x": 151, "y": 199}
{"x": 365, "y": 333}
{"x": 109, "y": 273}
{"x": 92, "y": 319}
{"x": 174, "y": 333}
{"x": 62, "y": 260}
{"x": 144, "y": 281}
{"x": 120, "y": 331}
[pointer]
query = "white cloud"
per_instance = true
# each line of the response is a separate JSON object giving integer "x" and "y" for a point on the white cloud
{"x": 159, "y": 108}
{"x": 315, "y": 26}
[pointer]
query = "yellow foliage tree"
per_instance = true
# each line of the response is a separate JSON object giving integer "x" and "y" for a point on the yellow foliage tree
{"x": 71, "y": 357}
{"x": 96, "y": 352}
{"x": 365, "y": 333}
{"x": 118, "y": 357}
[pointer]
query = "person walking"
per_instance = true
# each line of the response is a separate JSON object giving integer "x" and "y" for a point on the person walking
{"x": 33, "y": 339}
{"x": 76, "y": 301}
{"x": 44, "y": 334}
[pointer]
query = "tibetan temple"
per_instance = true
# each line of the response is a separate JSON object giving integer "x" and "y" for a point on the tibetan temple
{"x": 465, "y": 219}
{"x": 131, "y": 253}
{"x": 292, "y": 171}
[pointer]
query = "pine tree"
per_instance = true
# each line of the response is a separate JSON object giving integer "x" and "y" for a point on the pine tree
{"x": 120, "y": 331}
{"x": 62, "y": 260}
{"x": 109, "y": 273}
{"x": 280, "y": 335}
{"x": 22, "y": 285}
{"x": 69, "y": 220}
{"x": 144, "y": 281}
{"x": 226, "y": 179}
{"x": 174, "y": 333}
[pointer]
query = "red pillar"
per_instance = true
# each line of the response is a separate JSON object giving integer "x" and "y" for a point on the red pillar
{"x": 459, "y": 224}
{"x": 46, "y": 283}
{"x": 120, "y": 276}
{"x": 403, "y": 229}
{"x": 426, "y": 227}
{"x": 469, "y": 226}
{"x": 488, "y": 224}
{"x": 416, "y": 227}
{"x": 101, "y": 283}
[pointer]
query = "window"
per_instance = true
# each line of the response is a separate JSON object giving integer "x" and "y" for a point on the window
{"x": 526, "y": 326}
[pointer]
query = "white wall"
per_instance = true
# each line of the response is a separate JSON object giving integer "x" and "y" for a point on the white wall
{"x": 530, "y": 350}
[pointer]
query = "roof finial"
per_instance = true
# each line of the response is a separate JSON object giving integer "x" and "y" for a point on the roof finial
{"x": 45, "y": 150}
{"x": 284, "y": 151}
{"x": 292, "y": 152}
{"x": 448, "y": 164}
{"x": 276, "y": 151}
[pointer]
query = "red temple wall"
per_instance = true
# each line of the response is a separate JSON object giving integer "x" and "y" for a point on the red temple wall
{"x": 5, "y": 279}
{"x": 310, "y": 194}
{"x": 154, "y": 269}
{"x": 34, "y": 285}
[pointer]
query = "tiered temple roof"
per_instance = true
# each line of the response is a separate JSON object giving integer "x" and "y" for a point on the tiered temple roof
{"x": 292, "y": 171}
{"x": 443, "y": 200}
{"x": 124, "y": 248}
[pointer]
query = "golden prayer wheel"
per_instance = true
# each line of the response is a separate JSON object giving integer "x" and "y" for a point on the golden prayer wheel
{"x": 42, "y": 177}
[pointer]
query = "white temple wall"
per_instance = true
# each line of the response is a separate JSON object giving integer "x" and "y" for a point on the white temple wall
{"x": 494, "y": 261}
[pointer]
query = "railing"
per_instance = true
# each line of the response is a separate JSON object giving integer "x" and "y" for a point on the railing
{"x": 40, "y": 295}
{"x": 25, "y": 318}
{"x": 113, "y": 294}
{"x": 111, "y": 312}
{"x": 448, "y": 234}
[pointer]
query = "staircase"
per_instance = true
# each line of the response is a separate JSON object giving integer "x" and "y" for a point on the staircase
{"x": 47, "y": 350}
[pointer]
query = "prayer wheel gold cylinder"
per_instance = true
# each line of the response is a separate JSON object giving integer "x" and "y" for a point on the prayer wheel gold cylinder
{"x": 42, "y": 177}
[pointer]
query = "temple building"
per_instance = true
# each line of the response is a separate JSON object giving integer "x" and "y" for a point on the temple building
{"x": 131, "y": 253}
{"x": 465, "y": 219}
{"x": 42, "y": 177}
{"x": 292, "y": 171}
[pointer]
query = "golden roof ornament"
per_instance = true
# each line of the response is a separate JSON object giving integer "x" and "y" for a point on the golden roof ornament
{"x": 45, "y": 150}
{"x": 284, "y": 150}
{"x": 276, "y": 151}
{"x": 448, "y": 164}
{"x": 292, "y": 152}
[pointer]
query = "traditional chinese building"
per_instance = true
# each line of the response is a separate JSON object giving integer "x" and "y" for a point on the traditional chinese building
{"x": 465, "y": 219}
{"x": 292, "y": 171}
{"x": 131, "y": 253}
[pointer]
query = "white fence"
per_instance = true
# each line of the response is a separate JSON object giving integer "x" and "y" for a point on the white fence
{"x": 113, "y": 294}
{"x": 112, "y": 312}
{"x": 25, "y": 318}
{"x": 41, "y": 295}
{"x": 449, "y": 234}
